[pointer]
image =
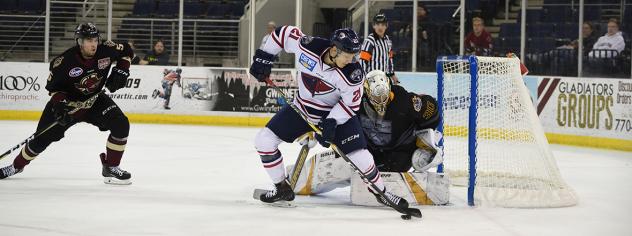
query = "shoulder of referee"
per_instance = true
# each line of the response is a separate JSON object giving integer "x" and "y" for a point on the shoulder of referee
{"x": 367, "y": 47}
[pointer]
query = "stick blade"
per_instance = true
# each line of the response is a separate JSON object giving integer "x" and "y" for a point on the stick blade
{"x": 414, "y": 212}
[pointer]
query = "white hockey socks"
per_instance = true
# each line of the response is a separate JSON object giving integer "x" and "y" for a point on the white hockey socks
{"x": 267, "y": 143}
{"x": 364, "y": 161}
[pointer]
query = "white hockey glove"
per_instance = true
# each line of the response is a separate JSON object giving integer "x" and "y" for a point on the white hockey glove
{"x": 428, "y": 154}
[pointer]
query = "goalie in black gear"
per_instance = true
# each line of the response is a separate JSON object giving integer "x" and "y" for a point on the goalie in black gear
{"x": 75, "y": 84}
{"x": 400, "y": 130}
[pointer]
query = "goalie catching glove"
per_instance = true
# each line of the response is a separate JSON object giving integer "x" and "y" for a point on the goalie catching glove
{"x": 428, "y": 154}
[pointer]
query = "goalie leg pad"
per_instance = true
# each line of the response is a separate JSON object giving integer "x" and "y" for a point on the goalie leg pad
{"x": 418, "y": 188}
{"x": 322, "y": 172}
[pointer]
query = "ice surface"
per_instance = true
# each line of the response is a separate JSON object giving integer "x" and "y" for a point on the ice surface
{"x": 198, "y": 180}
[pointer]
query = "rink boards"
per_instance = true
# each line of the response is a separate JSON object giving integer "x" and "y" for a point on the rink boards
{"x": 594, "y": 112}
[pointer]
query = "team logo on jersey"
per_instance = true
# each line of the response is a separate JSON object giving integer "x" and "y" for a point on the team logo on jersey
{"x": 74, "y": 72}
{"x": 103, "y": 63}
{"x": 306, "y": 39}
{"x": 357, "y": 76}
{"x": 307, "y": 62}
{"x": 109, "y": 43}
{"x": 315, "y": 85}
{"x": 417, "y": 104}
{"x": 431, "y": 109}
{"x": 88, "y": 84}
{"x": 57, "y": 61}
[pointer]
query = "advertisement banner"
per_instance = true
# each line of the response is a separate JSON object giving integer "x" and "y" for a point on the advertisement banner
{"x": 593, "y": 107}
{"x": 160, "y": 89}
{"x": 235, "y": 90}
{"x": 22, "y": 86}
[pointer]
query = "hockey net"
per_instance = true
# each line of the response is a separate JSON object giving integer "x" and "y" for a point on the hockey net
{"x": 496, "y": 147}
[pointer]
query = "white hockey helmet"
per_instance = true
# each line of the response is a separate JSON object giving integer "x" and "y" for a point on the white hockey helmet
{"x": 378, "y": 89}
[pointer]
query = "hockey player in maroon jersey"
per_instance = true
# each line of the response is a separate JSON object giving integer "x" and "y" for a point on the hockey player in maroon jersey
{"x": 75, "y": 84}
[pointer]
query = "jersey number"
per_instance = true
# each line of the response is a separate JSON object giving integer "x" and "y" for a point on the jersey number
{"x": 356, "y": 95}
{"x": 295, "y": 34}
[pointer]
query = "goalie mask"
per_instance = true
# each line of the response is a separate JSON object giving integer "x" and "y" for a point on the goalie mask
{"x": 377, "y": 87}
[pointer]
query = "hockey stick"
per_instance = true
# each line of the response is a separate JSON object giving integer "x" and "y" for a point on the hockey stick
{"x": 78, "y": 106}
{"x": 408, "y": 212}
{"x": 298, "y": 165}
{"x": 33, "y": 136}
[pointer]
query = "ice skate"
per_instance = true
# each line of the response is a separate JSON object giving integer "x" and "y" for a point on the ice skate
{"x": 8, "y": 171}
{"x": 281, "y": 193}
{"x": 399, "y": 201}
{"x": 114, "y": 174}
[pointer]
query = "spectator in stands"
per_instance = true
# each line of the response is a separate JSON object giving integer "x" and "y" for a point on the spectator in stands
{"x": 612, "y": 40}
{"x": 157, "y": 56}
{"x": 423, "y": 41}
{"x": 422, "y": 14}
{"x": 271, "y": 27}
{"x": 589, "y": 38}
{"x": 479, "y": 41}
{"x": 136, "y": 59}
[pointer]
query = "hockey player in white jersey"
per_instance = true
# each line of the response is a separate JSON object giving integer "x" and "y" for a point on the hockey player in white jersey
{"x": 329, "y": 93}
{"x": 400, "y": 131}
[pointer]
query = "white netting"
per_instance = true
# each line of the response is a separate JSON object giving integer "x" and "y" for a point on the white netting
{"x": 514, "y": 167}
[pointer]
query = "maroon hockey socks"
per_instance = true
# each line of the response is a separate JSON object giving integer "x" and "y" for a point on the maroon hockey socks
{"x": 24, "y": 158}
{"x": 115, "y": 148}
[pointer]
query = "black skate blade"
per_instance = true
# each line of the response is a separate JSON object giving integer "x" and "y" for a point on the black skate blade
{"x": 283, "y": 204}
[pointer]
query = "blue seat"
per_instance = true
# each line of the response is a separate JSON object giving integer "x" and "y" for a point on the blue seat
{"x": 511, "y": 44}
{"x": 194, "y": 8}
{"x": 168, "y": 8}
{"x": 567, "y": 31}
{"x": 8, "y": 5}
{"x": 533, "y": 16}
{"x": 540, "y": 44}
{"x": 143, "y": 7}
{"x": 441, "y": 14}
{"x": 218, "y": 11}
{"x": 592, "y": 13}
{"x": 509, "y": 30}
{"x": 555, "y": 2}
{"x": 557, "y": 13}
{"x": 30, "y": 6}
{"x": 237, "y": 9}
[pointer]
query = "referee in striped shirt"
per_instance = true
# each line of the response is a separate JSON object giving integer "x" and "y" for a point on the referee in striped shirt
{"x": 377, "y": 53}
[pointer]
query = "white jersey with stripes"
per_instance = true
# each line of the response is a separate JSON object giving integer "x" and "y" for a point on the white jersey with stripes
{"x": 323, "y": 91}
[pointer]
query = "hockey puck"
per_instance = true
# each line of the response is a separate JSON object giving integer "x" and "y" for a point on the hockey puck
{"x": 406, "y": 217}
